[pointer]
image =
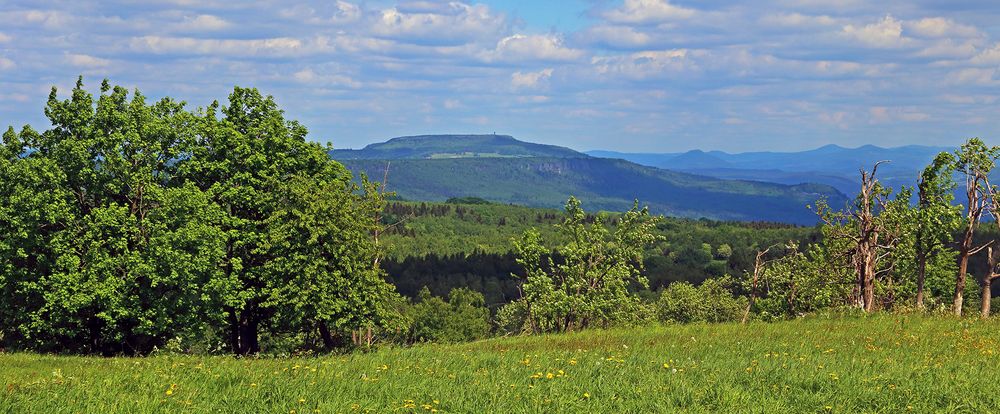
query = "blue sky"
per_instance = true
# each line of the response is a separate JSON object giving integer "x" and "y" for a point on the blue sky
{"x": 629, "y": 75}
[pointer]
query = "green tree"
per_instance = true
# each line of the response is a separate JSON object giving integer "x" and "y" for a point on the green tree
{"x": 935, "y": 219}
{"x": 589, "y": 284}
{"x": 974, "y": 161}
{"x": 128, "y": 224}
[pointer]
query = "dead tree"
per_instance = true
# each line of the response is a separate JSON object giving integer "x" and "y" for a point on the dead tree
{"x": 758, "y": 269}
{"x": 870, "y": 236}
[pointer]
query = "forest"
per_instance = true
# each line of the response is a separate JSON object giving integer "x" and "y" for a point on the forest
{"x": 131, "y": 227}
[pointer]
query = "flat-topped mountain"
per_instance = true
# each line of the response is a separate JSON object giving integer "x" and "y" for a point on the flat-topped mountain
{"x": 503, "y": 169}
{"x": 454, "y": 146}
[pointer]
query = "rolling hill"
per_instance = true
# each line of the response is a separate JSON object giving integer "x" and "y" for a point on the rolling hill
{"x": 435, "y": 168}
{"x": 832, "y": 165}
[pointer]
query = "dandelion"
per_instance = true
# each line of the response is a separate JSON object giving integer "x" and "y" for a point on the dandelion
{"x": 586, "y": 395}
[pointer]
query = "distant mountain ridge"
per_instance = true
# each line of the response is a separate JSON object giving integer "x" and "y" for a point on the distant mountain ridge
{"x": 830, "y": 164}
{"x": 503, "y": 169}
{"x": 455, "y": 146}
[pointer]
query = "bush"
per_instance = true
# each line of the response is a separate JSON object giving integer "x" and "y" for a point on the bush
{"x": 713, "y": 301}
{"x": 464, "y": 317}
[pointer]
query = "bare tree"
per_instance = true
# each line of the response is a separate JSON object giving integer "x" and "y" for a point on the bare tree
{"x": 759, "y": 265}
{"x": 871, "y": 235}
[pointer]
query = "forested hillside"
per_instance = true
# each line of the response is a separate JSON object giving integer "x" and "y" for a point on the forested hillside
{"x": 606, "y": 184}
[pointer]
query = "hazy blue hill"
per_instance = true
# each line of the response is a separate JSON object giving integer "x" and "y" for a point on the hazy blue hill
{"x": 831, "y": 164}
{"x": 608, "y": 184}
{"x": 454, "y": 146}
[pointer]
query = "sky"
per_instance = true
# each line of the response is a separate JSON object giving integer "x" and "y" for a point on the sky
{"x": 625, "y": 75}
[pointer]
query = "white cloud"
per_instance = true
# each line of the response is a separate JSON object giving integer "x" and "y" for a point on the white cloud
{"x": 990, "y": 56}
{"x": 457, "y": 23}
{"x": 342, "y": 13}
{"x": 648, "y": 11}
{"x": 972, "y": 76}
{"x": 4, "y": 38}
{"x": 646, "y": 64}
{"x": 309, "y": 76}
{"x": 618, "y": 36}
{"x": 6, "y": 63}
{"x": 520, "y": 80}
{"x": 941, "y": 27}
{"x": 202, "y": 22}
{"x": 797, "y": 20}
{"x": 280, "y": 46}
{"x": 886, "y": 33}
{"x": 86, "y": 61}
{"x": 532, "y": 47}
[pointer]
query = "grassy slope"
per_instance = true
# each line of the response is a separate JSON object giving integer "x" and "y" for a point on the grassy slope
{"x": 819, "y": 365}
{"x": 603, "y": 183}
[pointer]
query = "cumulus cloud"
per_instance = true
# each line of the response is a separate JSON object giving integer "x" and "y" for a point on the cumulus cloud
{"x": 521, "y": 47}
{"x": 625, "y": 37}
{"x": 886, "y": 33}
{"x": 86, "y": 61}
{"x": 940, "y": 27}
{"x": 455, "y": 23}
{"x": 342, "y": 13}
{"x": 203, "y": 22}
{"x": 311, "y": 77}
{"x": 650, "y": 68}
{"x": 646, "y": 64}
{"x": 647, "y": 12}
{"x": 520, "y": 80}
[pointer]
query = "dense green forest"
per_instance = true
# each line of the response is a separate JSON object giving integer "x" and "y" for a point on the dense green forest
{"x": 447, "y": 245}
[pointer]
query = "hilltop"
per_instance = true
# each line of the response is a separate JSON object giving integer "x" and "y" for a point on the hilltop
{"x": 503, "y": 169}
{"x": 454, "y": 146}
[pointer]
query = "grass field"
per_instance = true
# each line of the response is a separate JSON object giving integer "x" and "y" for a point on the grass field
{"x": 835, "y": 364}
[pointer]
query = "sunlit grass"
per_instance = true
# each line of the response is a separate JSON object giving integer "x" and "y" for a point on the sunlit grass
{"x": 836, "y": 364}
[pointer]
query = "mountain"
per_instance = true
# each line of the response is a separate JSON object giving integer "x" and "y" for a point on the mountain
{"x": 422, "y": 172}
{"x": 454, "y": 146}
{"x": 831, "y": 164}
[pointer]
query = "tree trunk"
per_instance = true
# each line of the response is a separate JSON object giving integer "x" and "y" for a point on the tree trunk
{"x": 249, "y": 331}
{"x": 921, "y": 275}
{"x": 986, "y": 292}
{"x": 987, "y": 296}
{"x": 331, "y": 340}
{"x": 234, "y": 332}
{"x": 963, "y": 266}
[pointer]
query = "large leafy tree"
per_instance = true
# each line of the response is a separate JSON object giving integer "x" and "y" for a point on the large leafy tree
{"x": 97, "y": 262}
{"x": 589, "y": 284}
{"x": 128, "y": 224}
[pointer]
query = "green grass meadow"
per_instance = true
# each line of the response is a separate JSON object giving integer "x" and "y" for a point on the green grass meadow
{"x": 833, "y": 364}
